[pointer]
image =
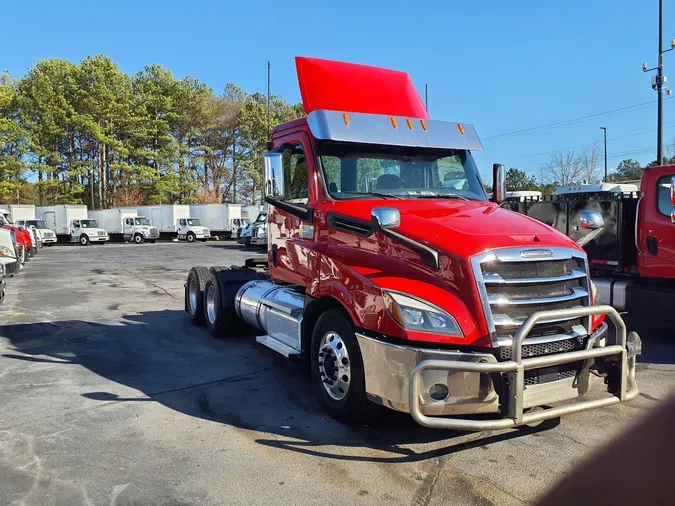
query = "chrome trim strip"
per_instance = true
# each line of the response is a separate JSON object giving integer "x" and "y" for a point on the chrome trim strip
{"x": 507, "y": 341}
{"x": 378, "y": 129}
{"x": 497, "y": 279}
{"x": 501, "y": 300}
{"x": 503, "y": 320}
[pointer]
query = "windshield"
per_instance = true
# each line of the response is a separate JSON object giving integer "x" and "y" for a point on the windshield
{"x": 142, "y": 221}
{"x": 193, "y": 222}
{"x": 36, "y": 223}
{"x": 358, "y": 171}
{"x": 261, "y": 217}
{"x": 89, "y": 223}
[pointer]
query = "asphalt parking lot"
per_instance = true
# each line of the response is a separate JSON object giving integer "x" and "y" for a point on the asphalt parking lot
{"x": 109, "y": 395}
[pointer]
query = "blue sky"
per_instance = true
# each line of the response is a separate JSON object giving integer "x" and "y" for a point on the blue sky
{"x": 503, "y": 66}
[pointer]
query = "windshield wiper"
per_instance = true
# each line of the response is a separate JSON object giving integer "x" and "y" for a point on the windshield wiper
{"x": 449, "y": 196}
{"x": 383, "y": 195}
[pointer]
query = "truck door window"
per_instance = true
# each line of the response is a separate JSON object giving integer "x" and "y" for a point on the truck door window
{"x": 663, "y": 196}
{"x": 129, "y": 221}
{"x": 295, "y": 175}
{"x": 182, "y": 223}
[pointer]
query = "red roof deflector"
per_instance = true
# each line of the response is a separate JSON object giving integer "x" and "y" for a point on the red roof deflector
{"x": 348, "y": 87}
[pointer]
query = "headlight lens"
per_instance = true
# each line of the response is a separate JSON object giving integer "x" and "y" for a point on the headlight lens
{"x": 416, "y": 315}
{"x": 5, "y": 252}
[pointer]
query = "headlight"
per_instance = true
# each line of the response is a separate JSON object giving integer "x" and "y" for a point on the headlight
{"x": 413, "y": 314}
{"x": 5, "y": 252}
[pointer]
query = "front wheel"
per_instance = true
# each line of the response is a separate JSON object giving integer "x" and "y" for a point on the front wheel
{"x": 191, "y": 237}
{"x": 337, "y": 368}
{"x": 138, "y": 239}
{"x": 84, "y": 240}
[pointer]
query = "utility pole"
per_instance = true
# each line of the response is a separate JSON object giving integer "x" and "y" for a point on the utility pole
{"x": 605, "y": 132}
{"x": 269, "y": 72}
{"x": 657, "y": 84}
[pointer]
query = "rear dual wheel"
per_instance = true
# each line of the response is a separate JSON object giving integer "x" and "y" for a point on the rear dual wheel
{"x": 194, "y": 293}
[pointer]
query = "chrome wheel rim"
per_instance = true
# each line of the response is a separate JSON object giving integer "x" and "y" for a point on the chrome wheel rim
{"x": 192, "y": 295}
{"x": 211, "y": 304}
{"x": 83, "y": 240}
{"x": 334, "y": 366}
{"x": 138, "y": 239}
{"x": 190, "y": 237}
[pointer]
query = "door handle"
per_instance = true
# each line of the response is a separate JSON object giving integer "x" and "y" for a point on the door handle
{"x": 652, "y": 245}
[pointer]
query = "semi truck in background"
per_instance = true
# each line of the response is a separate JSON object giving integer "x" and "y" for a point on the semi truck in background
{"x": 46, "y": 236}
{"x": 398, "y": 289}
{"x": 125, "y": 224}
{"x": 222, "y": 220}
{"x": 629, "y": 237}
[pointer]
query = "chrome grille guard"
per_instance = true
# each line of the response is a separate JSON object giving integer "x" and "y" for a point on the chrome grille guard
{"x": 515, "y": 369}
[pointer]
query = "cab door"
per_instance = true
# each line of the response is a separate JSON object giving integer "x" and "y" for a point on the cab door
{"x": 182, "y": 227}
{"x": 128, "y": 226}
{"x": 292, "y": 247}
{"x": 74, "y": 230}
{"x": 656, "y": 230}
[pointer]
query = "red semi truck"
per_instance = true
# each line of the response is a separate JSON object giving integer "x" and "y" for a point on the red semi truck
{"x": 399, "y": 284}
{"x": 629, "y": 238}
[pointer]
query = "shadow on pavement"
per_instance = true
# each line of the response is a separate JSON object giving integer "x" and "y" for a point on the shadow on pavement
{"x": 166, "y": 359}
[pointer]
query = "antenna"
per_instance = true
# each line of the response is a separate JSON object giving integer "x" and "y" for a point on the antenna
{"x": 269, "y": 72}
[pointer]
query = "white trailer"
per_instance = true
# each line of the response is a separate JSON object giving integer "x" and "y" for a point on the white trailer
{"x": 58, "y": 218}
{"x": 22, "y": 212}
{"x": 220, "y": 219}
{"x": 124, "y": 223}
{"x": 251, "y": 212}
{"x": 165, "y": 217}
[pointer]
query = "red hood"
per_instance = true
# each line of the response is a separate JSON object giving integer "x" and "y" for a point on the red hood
{"x": 460, "y": 228}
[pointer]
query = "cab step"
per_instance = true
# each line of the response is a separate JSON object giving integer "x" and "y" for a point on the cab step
{"x": 278, "y": 346}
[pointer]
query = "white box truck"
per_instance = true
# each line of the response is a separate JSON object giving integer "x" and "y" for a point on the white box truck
{"x": 124, "y": 223}
{"x": 21, "y": 212}
{"x": 221, "y": 219}
{"x": 58, "y": 218}
{"x": 174, "y": 220}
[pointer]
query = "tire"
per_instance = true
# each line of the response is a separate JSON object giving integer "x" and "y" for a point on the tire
{"x": 194, "y": 294}
{"x": 218, "y": 319}
{"x": 191, "y": 237}
{"x": 247, "y": 241}
{"x": 83, "y": 240}
{"x": 345, "y": 401}
{"x": 138, "y": 239}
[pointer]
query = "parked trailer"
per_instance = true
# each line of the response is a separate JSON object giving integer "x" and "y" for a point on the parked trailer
{"x": 221, "y": 219}
{"x": 58, "y": 218}
{"x": 123, "y": 223}
{"x": 22, "y": 212}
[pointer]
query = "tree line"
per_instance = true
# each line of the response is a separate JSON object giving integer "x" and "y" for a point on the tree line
{"x": 91, "y": 134}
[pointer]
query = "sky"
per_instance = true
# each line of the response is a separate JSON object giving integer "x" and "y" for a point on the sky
{"x": 502, "y": 66}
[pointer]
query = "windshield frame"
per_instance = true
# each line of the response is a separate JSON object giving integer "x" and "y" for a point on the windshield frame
{"x": 421, "y": 193}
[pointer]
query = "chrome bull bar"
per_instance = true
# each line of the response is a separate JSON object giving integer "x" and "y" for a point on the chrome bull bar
{"x": 515, "y": 375}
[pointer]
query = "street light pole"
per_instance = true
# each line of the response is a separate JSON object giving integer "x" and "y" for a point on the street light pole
{"x": 605, "y": 132}
{"x": 657, "y": 84}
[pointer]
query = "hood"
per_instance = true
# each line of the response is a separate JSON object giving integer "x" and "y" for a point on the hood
{"x": 461, "y": 228}
{"x": 94, "y": 230}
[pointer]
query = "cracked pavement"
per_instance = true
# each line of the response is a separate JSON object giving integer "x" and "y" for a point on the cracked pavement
{"x": 111, "y": 397}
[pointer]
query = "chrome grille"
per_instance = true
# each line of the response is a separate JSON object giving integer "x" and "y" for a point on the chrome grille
{"x": 513, "y": 283}
{"x": 102, "y": 233}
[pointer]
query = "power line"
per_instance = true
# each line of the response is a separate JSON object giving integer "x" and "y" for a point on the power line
{"x": 567, "y": 122}
{"x": 582, "y": 145}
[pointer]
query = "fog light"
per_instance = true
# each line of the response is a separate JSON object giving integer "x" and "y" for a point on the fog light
{"x": 438, "y": 392}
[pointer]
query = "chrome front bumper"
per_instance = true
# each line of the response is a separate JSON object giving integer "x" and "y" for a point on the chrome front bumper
{"x": 399, "y": 377}
{"x": 99, "y": 238}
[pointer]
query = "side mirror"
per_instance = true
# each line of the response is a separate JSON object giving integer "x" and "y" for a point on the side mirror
{"x": 591, "y": 220}
{"x": 385, "y": 217}
{"x": 274, "y": 175}
{"x": 498, "y": 183}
